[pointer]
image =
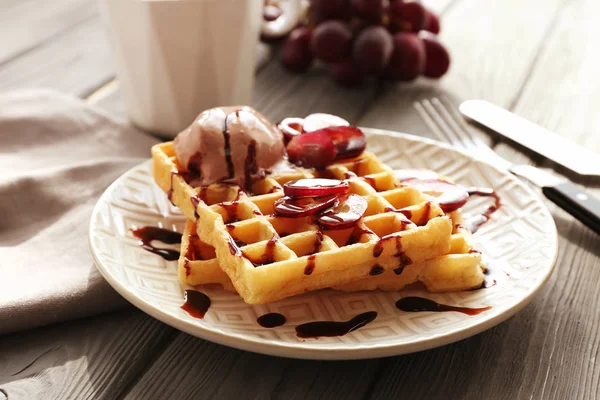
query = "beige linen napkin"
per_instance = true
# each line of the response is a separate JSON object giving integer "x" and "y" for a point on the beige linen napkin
{"x": 57, "y": 156}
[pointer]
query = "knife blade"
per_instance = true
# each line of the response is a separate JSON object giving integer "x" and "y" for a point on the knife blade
{"x": 532, "y": 136}
{"x": 569, "y": 196}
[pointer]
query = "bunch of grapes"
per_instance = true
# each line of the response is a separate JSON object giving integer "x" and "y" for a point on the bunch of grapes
{"x": 394, "y": 40}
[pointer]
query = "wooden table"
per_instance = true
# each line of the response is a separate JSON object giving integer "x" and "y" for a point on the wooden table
{"x": 538, "y": 58}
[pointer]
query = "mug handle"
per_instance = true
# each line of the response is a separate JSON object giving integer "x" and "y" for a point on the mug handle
{"x": 291, "y": 13}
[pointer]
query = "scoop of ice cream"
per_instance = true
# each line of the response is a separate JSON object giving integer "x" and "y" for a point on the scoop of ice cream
{"x": 228, "y": 144}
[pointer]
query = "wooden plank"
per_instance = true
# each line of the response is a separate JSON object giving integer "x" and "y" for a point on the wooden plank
{"x": 279, "y": 93}
{"x": 563, "y": 96}
{"x": 523, "y": 357}
{"x": 89, "y": 358}
{"x": 76, "y": 61}
{"x": 492, "y": 45}
{"x": 192, "y": 368}
{"x": 27, "y": 24}
{"x": 563, "y": 92}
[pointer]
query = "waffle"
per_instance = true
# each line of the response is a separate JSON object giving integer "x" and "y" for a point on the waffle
{"x": 269, "y": 257}
{"x": 460, "y": 269}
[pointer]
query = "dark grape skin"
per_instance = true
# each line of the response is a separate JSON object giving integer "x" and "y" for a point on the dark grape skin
{"x": 368, "y": 10}
{"x": 346, "y": 73}
{"x": 408, "y": 58}
{"x": 326, "y": 9}
{"x": 296, "y": 53}
{"x": 432, "y": 22}
{"x": 437, "y": 58}
{"x": 408, "y": 16}
{"x": 331, "y": 41}
{"x": 372, "y": 49}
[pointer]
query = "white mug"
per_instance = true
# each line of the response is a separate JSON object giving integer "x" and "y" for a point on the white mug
{"x": 176, "y": 58}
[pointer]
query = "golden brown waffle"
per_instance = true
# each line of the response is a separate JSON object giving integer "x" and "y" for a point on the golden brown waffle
{"x": 460, "y": 269}
{"x": 269, "y": 257}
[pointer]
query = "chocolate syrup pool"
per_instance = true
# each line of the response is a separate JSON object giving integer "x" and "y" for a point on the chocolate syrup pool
{"x": 147, "y": 234}
{"x": 416, "y": 304}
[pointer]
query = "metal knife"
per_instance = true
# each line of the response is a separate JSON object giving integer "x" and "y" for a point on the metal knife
{"x": 569, "y": 196}
{"x": 542, "y": 141}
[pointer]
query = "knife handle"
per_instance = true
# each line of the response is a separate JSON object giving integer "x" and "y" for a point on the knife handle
{"x": 575, "y": 200}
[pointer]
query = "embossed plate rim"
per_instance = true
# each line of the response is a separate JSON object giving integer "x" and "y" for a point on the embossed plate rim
{"x": 305, "y": 349}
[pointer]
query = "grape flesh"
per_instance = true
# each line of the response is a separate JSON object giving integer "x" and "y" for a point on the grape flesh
{"x": 437, "y": 59}
{"x": 331, "y": 41}
{"x": 296, "y": 53}
{"x": 408, "y": 58}
{"x": 372, "y": 49}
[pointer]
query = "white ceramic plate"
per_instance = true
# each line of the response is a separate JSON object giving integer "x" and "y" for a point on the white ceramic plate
{"x": 520, "y": 241}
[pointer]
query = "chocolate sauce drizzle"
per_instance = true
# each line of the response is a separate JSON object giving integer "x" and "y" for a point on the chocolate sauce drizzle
{"x": 318, "y": 242}
{"x": 250, "y": 166}
{"x": 233, "y": 248}
{"x": 356, "y": 234}
{"x": 227, "y": 150}
{"x": 193, "y": 163}
{"x": 170, "y": 192}
{"x": 492, "y": 275}
{"x": 475, "y": 222}
{"x": 271, "y": 320}
{"x": 195, "y": 200}
{"x": 376, "y": 270}
{"x": 334, "y": 328}
{"x": 425, "y": 216}
{"x": 192, "y": 253}
{"x": 268, "y": 257}
{"x": 400, "y": 269}
{"x": 416, "y": 304}
{"x": 405, "y": 216}
{"x": 196, "y": 303}
{"x": 378, "y": 249}
{"x": 231, "y": 209}
{"x": 310, "y": 264}
{"x": 149, "y": 233}
{"x": 231, "y": 230}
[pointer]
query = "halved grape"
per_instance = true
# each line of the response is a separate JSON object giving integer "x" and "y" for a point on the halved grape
{"x": 372, "y": 49}
{"x": 408, "y": 58}
{"x": 291, "y": 127}
{"x": 316, "y": 187}
{"x": 331, "y": 41}
{"x": 311, "y": 150}
{"x": 437, "y": 59}
{"x": 346, "y": 213}
{"x": 316, "y": 121}
{"x": 415, "y": 173}
{"x": 296, "y": 208}
{"x": 349, "y": 141}
{"x": 450, "y": 197}
{"x": 408, "y": 16}
{"x": 432, "y": 22}
{"x": 296, "y": 53}
{"x": 346, "y": 73}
